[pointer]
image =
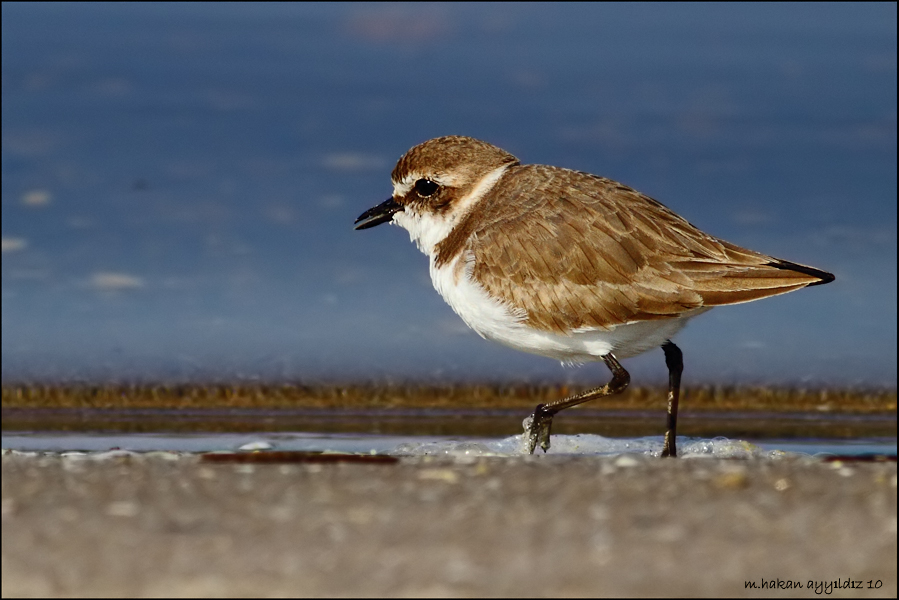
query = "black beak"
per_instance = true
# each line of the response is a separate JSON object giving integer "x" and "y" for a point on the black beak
{"x": 382, "y": 213}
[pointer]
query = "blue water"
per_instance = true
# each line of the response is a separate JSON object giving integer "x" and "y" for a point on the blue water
{"x": 179, "y": 181}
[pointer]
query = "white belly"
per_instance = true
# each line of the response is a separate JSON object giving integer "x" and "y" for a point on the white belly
{"x": 505, "y": 324}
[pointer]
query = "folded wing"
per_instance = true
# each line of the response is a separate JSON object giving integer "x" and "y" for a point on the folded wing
{"x": 582, "y": 251}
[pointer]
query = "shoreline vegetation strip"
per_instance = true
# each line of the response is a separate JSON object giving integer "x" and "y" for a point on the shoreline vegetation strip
{"x": 448, "y": 396}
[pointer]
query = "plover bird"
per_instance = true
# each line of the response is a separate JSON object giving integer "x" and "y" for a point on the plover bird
{"x": 566, "y": 264}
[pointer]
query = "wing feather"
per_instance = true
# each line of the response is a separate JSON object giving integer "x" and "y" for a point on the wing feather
{"x": 578, "y": 251}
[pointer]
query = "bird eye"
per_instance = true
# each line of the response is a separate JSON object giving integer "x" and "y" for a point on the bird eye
{"x": 426, "y": 187}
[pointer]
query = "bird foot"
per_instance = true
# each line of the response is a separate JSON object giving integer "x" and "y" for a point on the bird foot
{"x": 537, "y": 428}
{"x": 670, "y": 448}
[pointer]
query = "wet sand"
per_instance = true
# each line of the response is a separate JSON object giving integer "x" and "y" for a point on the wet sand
{"x": 161, "y": 525}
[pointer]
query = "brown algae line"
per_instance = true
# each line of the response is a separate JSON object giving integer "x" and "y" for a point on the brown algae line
{"x": 465, "y": 396}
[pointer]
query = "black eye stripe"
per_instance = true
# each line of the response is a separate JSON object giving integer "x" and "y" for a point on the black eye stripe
{"x": 426, "y": 187}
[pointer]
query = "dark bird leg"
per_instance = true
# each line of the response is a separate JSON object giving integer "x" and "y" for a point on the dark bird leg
{"x": 542, "y": 419}
{"x": 675, "y": 361}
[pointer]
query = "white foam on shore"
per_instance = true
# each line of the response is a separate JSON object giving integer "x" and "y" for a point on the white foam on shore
{"x": 112, "y": 446}
{"x": 586, "y": 445}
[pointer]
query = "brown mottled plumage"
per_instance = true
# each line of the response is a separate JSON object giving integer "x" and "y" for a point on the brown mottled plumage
{"x": 584, "y": 251}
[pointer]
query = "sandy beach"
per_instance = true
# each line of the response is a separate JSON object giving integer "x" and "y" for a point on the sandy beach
{"x": 177, "y": 525}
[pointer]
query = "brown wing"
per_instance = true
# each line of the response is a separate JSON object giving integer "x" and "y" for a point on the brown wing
{"x": 583, "y": 251}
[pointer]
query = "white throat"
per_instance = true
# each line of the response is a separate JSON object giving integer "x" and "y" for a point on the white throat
{"x": 428, "y": 229}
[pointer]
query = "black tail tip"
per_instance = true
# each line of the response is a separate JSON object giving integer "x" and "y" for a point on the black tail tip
{"x": 824, "y": 276}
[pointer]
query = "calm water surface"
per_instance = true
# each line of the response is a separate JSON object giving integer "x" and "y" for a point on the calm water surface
{"x": 179, "y": 181}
